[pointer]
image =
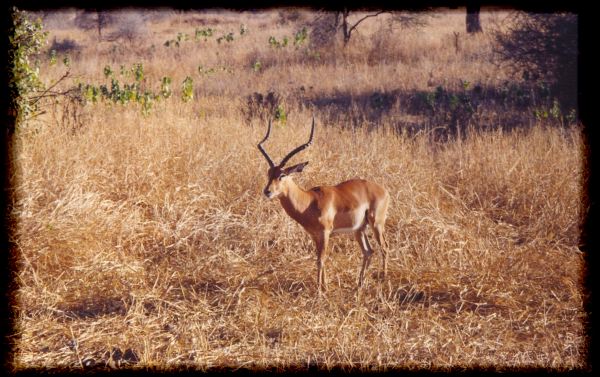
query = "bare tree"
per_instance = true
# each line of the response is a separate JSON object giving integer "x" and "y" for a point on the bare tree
{"x": 348, "y": 28}
{"x": 95, "y": 19}
{"x": 130, "y": 26}
{"x": 102, "y": 20}
{"x": 326, "y": 26}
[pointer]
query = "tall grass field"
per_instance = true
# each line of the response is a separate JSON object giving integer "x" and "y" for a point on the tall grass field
{"x": 144, "y": 239}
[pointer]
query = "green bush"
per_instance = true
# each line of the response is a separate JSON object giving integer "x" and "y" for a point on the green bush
{"x": 26, "y": 39}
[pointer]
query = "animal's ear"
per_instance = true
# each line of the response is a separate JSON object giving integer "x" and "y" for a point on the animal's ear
{"x": 296, "y": 168}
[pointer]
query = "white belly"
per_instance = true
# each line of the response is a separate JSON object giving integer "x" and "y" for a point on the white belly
{"x": 346, "y": 230}
{"x": 357, "y": 221}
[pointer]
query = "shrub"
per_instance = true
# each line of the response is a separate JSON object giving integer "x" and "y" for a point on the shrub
{"x": 323, "y": 31}
{"x": 26, "y": 38}
{"x": 264, "y": 107}
{"x": 131, "y": 27}
{"x": 543, "y": 47}
{"x": 288, "y": 16}
{"x": 67, "y": 45}
{"x": 89, "y": 20}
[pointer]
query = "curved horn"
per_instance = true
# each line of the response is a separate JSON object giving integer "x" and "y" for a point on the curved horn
{"x": 260, "y": 148}
{"x": 298, "y": 149}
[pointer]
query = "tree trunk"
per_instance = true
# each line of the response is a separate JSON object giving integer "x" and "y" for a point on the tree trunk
{"x": 104, "y": 19}
{"x": 473, "y": 22}
{"x": 345, "y": 29}
{"x": 99, "y": 24}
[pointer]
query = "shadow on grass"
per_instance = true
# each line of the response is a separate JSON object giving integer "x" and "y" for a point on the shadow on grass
{"x": 449, "y": 301}
{"x": 446, "y": 112}
{"x": 95, "y": 307}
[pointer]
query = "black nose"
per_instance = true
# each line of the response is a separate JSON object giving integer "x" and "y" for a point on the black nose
{"x": 267, "y": 192}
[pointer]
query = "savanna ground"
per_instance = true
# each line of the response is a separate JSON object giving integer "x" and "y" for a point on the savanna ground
{"x": 145, "y": 239}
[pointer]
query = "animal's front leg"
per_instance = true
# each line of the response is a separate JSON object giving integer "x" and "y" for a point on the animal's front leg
{"x": 321, "y": 241}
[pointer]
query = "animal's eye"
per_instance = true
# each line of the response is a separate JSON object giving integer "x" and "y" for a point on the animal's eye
{"x": 282, "y": 175}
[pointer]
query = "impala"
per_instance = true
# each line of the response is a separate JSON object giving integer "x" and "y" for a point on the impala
{"x": 325, "y": 210}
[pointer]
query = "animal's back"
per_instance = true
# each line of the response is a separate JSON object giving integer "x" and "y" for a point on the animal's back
{"x": 372, "y": 190}
{"x": 349, "y": 195}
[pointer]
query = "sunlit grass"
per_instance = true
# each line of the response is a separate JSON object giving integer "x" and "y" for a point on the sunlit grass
{"x": 150, "y": 236}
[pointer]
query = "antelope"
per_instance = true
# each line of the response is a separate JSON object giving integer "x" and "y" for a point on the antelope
{"x": 326, "y": 210}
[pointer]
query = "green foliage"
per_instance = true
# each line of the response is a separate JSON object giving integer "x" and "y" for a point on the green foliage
{"x": 300, "y": 37}
{"x": 146, "y": 100}
{"x": 108, "y": 72}
{"x": 203, "y": 33}
{"x": 205, "y": 71}
{"x": 280, "y": 115}
{"x": 227, "y": 38}
{"x": 26, "y": 38}
{"x": 256, "y": 66}
{"x": 187, "y": 89}
{"x": 91, "y": 93}
{"x": 182, "y": 36}
{"x": 131, "y": 88}
{"x": 123, "y": 92}
{"x": 53, "y": 59}
{"x": 176, "y": 42}
{"x": 138, "y": 70}
{"x": 555, "y": 110}
{"x": 199, "y": 34}
{"x": 264, "y": 106}
{"x": 312, "y": 54}
{"x": 452, "y": 109}
{"x": 552, "y": 112}
{"x": 571, "y": 116}
{"x": 458, "y": 107}
{"x": 274, "y": 43}
{"x": 165, "y": 87}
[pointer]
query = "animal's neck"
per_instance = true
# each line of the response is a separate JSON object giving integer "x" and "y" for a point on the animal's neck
{"x": 295, "y": 200}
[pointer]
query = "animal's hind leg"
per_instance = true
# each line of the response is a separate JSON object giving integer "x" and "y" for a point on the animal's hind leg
{"x": 367, "y": 251}
{"x": 378, "y": 230}
{"x": 377, "y": 223}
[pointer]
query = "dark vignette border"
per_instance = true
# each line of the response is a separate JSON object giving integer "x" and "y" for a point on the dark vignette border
{"x": 589, "y": 200}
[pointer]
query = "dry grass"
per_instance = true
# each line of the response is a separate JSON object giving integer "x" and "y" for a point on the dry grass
{"x": 149, "y": 237}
